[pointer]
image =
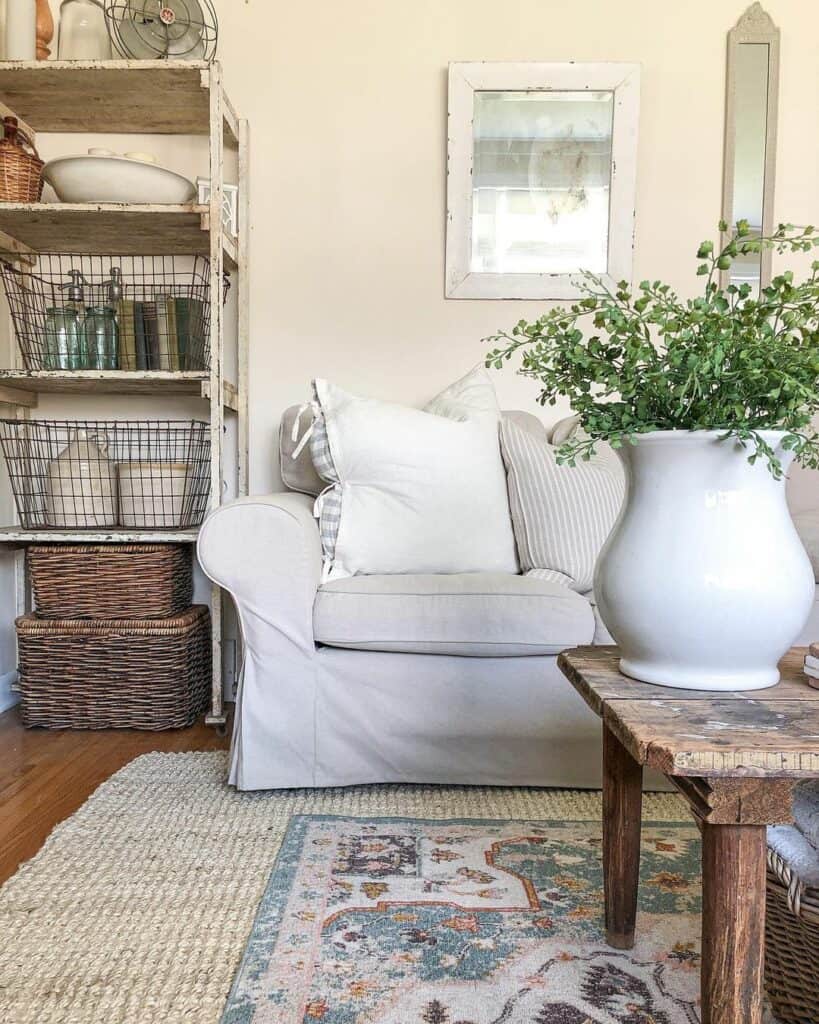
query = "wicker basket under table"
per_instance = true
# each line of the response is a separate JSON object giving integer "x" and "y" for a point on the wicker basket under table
{"x": 110, "y": 581}
{"x": 114, "y": 674}
{"x": 791, "y": 946}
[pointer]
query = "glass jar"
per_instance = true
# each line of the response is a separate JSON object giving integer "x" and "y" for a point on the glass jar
{"x": 64, "y": 343}
{"x": 101, "y": 338}
{"x": 83, "y": 31}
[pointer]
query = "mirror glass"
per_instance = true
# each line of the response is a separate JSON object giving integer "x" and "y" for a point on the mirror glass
{"x": 750, "y": 135}
{"x": 750, "y": 139}
{"x": 541, "y": 181}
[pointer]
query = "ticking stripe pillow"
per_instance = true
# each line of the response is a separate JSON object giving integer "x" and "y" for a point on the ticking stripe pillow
{"x": 561, "y": 515}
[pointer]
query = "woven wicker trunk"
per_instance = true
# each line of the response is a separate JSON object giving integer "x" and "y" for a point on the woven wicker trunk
{"x": 110, "y": 581}
{"x": 114, "y": 674}
{"x": 791, "y": 947}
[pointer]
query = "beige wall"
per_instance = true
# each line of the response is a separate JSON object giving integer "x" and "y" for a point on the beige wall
{"x": 347, "y": 103}
{"x": 348, "y": 109}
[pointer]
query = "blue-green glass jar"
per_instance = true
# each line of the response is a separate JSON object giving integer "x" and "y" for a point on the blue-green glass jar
{"x": 64, "y": 341}
{"x": 102, "y": 338}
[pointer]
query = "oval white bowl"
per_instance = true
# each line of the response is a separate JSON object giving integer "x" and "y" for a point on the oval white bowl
{"x": 115, "y": 179}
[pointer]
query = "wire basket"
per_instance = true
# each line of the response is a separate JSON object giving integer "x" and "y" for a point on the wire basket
{"x": 98, "y": 474}
{"x": 78, "y": 312}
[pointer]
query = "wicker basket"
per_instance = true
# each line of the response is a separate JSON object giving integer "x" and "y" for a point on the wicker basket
{"x": 110, "y": 581}
{"x": 21, "y": 173}
{"x": 129, "y": 674}
{"x": 791, "y": 946}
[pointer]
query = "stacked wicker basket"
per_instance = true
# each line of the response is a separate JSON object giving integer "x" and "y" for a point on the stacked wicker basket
{"x": 115, "y": 641}
{"x": 792, "y": 920}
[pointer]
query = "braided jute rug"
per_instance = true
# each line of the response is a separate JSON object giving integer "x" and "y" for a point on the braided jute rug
{"x": 139, "y": 906}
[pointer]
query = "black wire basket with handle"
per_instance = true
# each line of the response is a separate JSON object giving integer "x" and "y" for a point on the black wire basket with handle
{"x": 135, "y": 313}
{"x": 108, "y": 474}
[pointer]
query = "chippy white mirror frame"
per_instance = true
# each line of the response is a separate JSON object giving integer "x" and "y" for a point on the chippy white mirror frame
{"x": 754, "y": 27}
{"x": 467, "y": 78}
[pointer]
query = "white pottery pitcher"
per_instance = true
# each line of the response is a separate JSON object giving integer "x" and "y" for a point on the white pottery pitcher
{"x": 703, "y": 582}
{"x": 81, "y": 485}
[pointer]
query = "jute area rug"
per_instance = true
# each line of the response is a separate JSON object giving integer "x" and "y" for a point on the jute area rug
{"x": 139, "y": 907}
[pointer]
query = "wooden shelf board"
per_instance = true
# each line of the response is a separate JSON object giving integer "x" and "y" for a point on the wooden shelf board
{"x": 129, "y": 96}
{"x": 110, "y": 382}
{"x": 230, "y": 394}
{"x": 18, "y": 535}
{"x": 116, "y": 228}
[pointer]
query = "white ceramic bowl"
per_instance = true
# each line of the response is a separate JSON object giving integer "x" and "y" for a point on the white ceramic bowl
{"x": 95, "y": 178}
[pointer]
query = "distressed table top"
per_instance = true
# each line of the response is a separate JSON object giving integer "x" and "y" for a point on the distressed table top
{"x": 773, "y": 732}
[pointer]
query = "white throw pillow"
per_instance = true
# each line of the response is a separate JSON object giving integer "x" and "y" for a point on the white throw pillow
{"x": 562, "y": 514}
{"x": 413, "y": 491}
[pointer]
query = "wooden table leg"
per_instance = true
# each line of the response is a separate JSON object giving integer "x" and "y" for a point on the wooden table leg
{"x": 622, "y": 808}
{"x": 733, "y": 923}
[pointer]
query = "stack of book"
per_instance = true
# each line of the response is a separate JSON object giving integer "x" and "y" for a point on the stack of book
{"x": 812, "y": 665}
{"x": 166, "y": 333}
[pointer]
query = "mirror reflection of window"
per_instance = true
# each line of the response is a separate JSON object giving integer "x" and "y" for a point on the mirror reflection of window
{"x": 750, "y": 137}
{"x": 541, "y": 181}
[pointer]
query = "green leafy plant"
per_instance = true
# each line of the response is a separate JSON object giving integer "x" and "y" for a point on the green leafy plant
{"x": 634, "y": 361}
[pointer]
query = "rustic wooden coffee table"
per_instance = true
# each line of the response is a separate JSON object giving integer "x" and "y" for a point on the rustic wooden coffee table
{"x": 735, "y": 757}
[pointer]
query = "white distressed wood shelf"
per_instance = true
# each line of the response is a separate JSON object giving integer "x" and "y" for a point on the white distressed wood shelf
{"x": 116, "y": 96}
{"x": 116, "y": 228}
{"x": 18, "y": 535}
{"x": 21, "y": 387}
{"x": 139, "y": 97}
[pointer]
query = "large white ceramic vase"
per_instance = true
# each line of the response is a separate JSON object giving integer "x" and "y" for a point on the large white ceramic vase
{"x": 703, "y": 582}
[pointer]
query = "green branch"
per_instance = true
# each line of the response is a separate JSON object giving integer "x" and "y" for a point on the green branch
{"x": 722, "y": 361}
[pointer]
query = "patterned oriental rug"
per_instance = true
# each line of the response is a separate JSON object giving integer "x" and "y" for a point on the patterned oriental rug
{"x": 387, "y": 904}
{"x": 468, "y": 921}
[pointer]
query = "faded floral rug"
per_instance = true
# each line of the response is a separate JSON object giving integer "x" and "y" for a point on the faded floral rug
{"x": 468, "y": 921}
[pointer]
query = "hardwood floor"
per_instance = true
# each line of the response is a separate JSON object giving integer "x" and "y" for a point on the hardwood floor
{"x": 46, "y": 775}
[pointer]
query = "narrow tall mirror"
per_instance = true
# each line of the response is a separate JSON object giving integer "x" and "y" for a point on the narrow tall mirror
{"x": 752, "y": 91}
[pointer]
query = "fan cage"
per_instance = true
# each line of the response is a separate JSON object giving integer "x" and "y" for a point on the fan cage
{"x": 108, "y": 474}
{"x": 162, "y": 321}
{"x": 144, "y": 21}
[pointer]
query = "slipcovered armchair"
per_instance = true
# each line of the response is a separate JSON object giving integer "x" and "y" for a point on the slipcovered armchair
{"x": 315, "y": 713}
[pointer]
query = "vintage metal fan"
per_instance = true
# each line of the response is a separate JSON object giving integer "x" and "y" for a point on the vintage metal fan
{"x": 163, "y": 29}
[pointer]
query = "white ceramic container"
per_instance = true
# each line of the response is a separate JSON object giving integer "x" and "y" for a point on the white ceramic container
{"x": 21, "y": 29}
{"x": 152, "y": 494}
{"x": 703, "y": 583}
{"x": 81, "y": 486}
{"x": 100, "y": 178}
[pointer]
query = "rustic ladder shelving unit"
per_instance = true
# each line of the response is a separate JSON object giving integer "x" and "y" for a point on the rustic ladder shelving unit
{"x": 135, "y": 97}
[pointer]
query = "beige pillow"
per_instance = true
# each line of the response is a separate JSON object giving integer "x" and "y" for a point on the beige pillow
{"x": 561, "y": 514}
{"x": 564, "y": 429}
{"x": 298, "y": 474}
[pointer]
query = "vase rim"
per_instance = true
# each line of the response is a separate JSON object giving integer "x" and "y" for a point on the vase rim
{"x": 773, "y": 437}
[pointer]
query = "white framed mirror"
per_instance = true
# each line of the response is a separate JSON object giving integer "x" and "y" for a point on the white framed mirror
{"x": 542, "y": 163}
{"x": 749, "y": 172}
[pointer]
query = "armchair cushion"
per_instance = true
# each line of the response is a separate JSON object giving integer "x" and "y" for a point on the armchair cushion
{"x": 472, "y": 614}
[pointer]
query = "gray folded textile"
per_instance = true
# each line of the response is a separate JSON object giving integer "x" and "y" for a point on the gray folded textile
{"x": 806, "y": 810}
{"x": 801, "y": 856}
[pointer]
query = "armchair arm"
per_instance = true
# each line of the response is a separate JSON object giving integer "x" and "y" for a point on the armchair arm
{"x": 266, "y": 552}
